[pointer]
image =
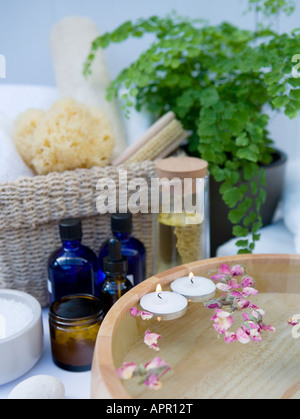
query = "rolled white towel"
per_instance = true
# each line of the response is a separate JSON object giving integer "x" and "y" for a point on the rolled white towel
{"x": 70, "y": 43}
{"x": 12, "y": 167}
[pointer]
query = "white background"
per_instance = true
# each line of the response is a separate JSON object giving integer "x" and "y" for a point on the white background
{"x": 25, "y": 27}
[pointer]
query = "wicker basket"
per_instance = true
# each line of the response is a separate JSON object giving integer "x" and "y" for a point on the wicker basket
{"x": 30, "y": 210}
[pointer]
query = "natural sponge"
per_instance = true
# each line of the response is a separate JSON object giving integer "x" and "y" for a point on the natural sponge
{"x": 68, "y": 136}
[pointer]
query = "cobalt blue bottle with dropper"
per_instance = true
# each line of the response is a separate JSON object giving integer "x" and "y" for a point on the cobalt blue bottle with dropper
{"x": 73, "y": 268}
{"x": 116, "y": 283}
{"x": 132, "y": 248}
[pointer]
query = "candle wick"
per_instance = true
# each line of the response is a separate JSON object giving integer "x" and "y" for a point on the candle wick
{"x": 159, "y": 295}
{"x": 192, "y": 280}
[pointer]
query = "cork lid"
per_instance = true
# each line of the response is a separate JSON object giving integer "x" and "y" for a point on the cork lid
{"x": 181, "y": 167}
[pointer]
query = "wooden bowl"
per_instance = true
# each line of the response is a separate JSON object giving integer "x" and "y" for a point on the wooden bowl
{"x": 203, "y": 365}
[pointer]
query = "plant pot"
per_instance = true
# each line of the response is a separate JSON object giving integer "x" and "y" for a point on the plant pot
{"x": 221, "y": 227}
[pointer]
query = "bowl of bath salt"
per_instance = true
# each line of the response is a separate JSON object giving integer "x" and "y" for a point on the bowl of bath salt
{"x": 21, "y": 334}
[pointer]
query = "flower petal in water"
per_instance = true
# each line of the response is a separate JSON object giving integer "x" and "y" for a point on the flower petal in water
{"x": 151, "y": 339}
{"x": 152, "y": 382}
{"x": 125, "y": 372}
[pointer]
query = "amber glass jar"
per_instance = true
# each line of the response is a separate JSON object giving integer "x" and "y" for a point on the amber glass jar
{"x": 74, "y": 322}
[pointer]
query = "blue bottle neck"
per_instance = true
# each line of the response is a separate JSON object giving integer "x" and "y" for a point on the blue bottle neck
{"x": 123, "y": 237}
{"x": 71, "y": 245}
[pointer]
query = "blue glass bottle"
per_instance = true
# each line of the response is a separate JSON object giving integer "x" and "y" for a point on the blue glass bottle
{"x": 132, "y": 248}
{"x": 116, "y": 283}
{"x": 73, "y": 268}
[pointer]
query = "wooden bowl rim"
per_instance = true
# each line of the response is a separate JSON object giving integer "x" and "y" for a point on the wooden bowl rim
{"x": 109, "y": 325}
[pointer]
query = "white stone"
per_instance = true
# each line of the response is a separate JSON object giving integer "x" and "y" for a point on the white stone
{"x": 39, "y": 387}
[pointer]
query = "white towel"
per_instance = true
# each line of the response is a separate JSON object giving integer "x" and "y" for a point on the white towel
{"x": 70, "y": 43}
{"x": 12, "y": 167}
{"x": 291, "y": 200}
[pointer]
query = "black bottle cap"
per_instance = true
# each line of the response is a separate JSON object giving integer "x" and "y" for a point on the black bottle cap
{"x": 121, "y": 223}
{"x": 70, "y": 229}
{"x": 115, "y": 262}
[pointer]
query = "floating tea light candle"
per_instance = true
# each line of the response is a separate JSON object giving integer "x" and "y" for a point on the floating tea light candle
{"x": 165, "y": 305}
{"x": 195, "y": 288}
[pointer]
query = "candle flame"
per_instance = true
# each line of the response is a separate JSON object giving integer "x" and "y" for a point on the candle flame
{"x": 158, "y": 289}
{"x": 191, "y": 277}
{"x": 158, "y": 319}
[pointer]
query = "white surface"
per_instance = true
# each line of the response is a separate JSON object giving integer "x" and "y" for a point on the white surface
{"x": 17, "y": 98}
{"x": 21, "y": 351}
{"x": 25, "y": 28}
{"x": 275, "y": 238}
{"x": 77, "y": 385}
{"x": 291, "y": 201}
{"x": 283, "y": 236}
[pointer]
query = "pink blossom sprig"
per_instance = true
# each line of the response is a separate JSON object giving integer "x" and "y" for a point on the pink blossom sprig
{"x": 237, "y": 287}
{"x": 150, "y": 373}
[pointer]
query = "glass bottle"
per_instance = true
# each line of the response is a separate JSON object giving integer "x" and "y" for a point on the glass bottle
{"x": 116, "y": 282}
{"x": 73, "y": 267}
{"x": 74, "y": 322}
{"x": 132, "y": 248}
{"x": 182, "y": 226}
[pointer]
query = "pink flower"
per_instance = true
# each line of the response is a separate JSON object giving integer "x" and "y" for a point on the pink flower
{"x": 249, "y": 291}
{"x": 125, "y": 372}
{"x": 134, "y": 312}
{"x": 222, "y": 321}
{"x": 246, "y": 316}
{"x": 236, "y": 294}
{"x": 223, "y": 287}
{"x": 151, "y": 339}
{"x": 255, "y": 335}
{"x": 247, "y": 281}
{"x": 156, "y": 363}
{"x": 152, "y": 382}
{"x": 145, "y": 315}
{"x": 252, "y": 326}
{"x": 258, "y": 313}
{"x": 224, "y": 269}
{"x": 237, "y": 270}
{"x": 223, "y": 274}
{"x": 253, "y": 330}
{"x": 230, "y": 337}
{"x": 242, "y": 336}
{"x": 220, "y": 277}
{"x": 232, "y": 284}
{"x": 267, "y": 327}
{"x": 242, "y": 304}
{"x": 213, "y": 305}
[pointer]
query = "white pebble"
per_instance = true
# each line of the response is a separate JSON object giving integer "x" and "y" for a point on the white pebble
{"x": 39, "y": 387}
